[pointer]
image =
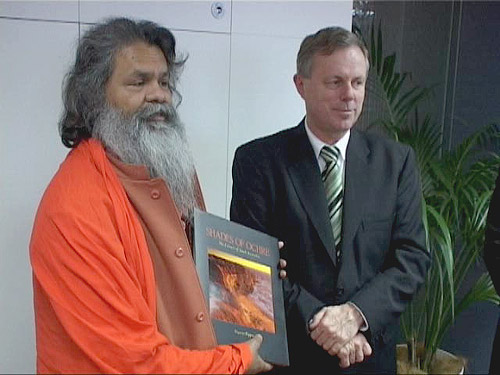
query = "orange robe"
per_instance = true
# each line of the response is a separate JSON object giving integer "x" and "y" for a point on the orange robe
{"x": 94, "y": 283}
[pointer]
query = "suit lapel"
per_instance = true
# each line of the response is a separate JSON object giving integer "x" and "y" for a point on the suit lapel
{"x": 306, "y": 179}
{"x": 355, "y": 188}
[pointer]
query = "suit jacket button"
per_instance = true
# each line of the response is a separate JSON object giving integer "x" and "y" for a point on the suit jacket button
{"x": 155, "y": 194}
{"x": 200, "y": 317}
{"x": 179, "y": 253}
{"x": 340, "y": 292}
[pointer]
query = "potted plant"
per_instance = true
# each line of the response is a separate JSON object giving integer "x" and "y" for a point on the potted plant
{"x": 457, "y": 187}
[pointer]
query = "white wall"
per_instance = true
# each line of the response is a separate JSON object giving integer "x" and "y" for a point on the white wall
{"x": 236, "y": 86}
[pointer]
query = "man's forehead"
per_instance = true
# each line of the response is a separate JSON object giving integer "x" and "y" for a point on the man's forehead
{"x": 342, "y": 58}
{"x": 340, "y": 50}
{"x": 139, "y": 56}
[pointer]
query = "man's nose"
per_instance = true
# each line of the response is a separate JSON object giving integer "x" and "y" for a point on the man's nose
{"x": 348, "y": 92}
{"x": 158, "y": 93}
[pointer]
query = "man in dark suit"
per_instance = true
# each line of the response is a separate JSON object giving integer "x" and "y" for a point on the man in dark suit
{"x": 350, "y": 215}
{"x": 492, "y": 261}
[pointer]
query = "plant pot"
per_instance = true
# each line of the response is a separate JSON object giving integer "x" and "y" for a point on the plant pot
{"x": 443, "y": 362}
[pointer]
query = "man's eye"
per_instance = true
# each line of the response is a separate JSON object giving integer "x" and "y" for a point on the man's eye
{"x": 137, "y": 83}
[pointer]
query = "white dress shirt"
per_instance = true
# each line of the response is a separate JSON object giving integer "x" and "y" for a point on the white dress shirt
{"x": 317, "y": 144}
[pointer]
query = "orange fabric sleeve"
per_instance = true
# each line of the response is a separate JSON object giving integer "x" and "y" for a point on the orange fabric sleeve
{"x": 95, "y": 298}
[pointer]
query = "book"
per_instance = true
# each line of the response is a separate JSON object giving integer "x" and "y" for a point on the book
{"x": 238, "y": 269}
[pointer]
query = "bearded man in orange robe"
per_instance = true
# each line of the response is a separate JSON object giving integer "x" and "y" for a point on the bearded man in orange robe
{"x": 115, "y": 287}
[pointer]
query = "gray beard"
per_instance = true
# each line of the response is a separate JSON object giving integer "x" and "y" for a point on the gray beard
{"x": 159, "y": 145}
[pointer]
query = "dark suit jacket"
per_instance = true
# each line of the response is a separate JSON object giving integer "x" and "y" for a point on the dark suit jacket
{"x": 277, "y": 188}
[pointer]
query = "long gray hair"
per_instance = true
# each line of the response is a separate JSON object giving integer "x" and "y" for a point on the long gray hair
{"x": 84, "y": 85}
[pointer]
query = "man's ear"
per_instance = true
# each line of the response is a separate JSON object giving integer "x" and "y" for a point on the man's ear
{"x": 299, "y": 84}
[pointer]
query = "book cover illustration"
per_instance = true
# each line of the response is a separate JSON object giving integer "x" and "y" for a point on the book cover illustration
{"x": 238, "y": 270}
{"x": 240, "y": 291}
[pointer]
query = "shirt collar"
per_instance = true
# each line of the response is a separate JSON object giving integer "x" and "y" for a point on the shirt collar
{"x": 317, "y": 144}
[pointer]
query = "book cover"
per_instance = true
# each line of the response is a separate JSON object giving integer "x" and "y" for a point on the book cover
{"x": 239, "y": 273}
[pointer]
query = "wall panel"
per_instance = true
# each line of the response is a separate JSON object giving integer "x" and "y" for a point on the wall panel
{"x": 185, "y": 15}
{"x": 40, "y": 10}
{"x": 290, "y": 19}
{"x": 204, "y": 86}
{"x": 35, "y": 56}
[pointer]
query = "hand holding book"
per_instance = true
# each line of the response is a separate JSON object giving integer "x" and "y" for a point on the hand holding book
{"x": 282, "y": 263}
{"x": 258, "y": 364}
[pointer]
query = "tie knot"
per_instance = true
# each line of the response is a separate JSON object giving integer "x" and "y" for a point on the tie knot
{"x": 330, "y": 154}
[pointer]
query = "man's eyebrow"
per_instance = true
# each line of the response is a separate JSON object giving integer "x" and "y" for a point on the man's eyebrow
{"x": 343, "y": 77}
{"x": 334, "y": 77}
{"x": 145, "y": 74}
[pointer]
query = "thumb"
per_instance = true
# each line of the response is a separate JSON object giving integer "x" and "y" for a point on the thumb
{"x": 258, "y": 364}
{"x": 255, "y": 342}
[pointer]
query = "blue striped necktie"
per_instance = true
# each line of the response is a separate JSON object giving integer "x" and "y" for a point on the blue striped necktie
{"x": 332, "y": 179}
